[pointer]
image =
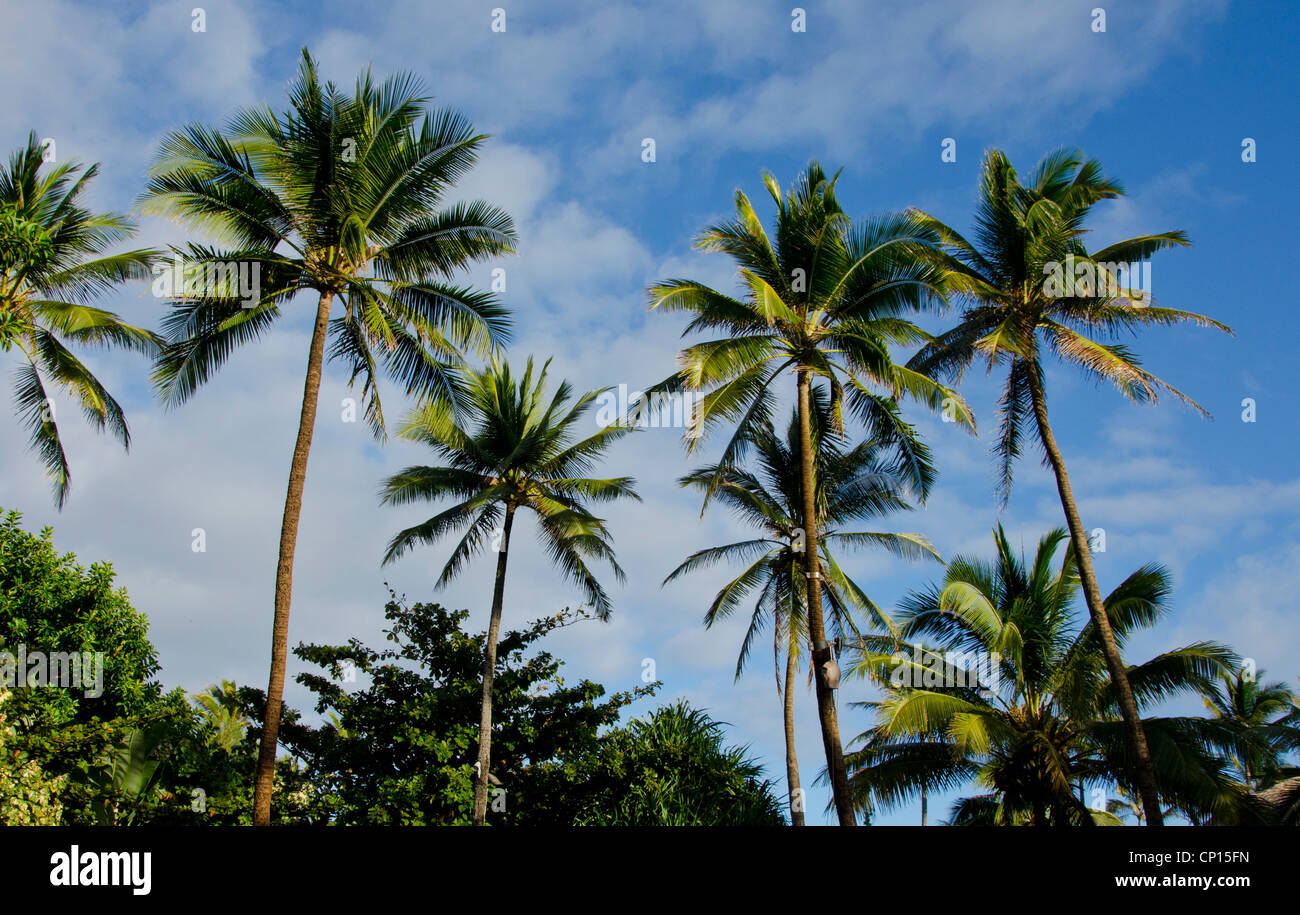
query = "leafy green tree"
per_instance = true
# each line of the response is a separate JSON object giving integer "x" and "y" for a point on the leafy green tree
{"x": 824, "y": 299}
{"x": 51, "y": 603}
{"x": 399, "y": 743}
{"x": 1004, "y": 687}
{"x": 341, "y": 196}
{"x": 511, "y": 448}
{"x": 852, "y": 484}
{"x": 82, "y": 735}
{"x": 673, "y": 769}
{"x": 1030, "y": 283}
{"x": 54, "y": 262}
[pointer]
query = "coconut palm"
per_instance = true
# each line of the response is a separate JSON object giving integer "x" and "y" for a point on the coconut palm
{"x": 1029, "y": 283}
{"x": 852, "y": 484}
{"x": 823, "y": 299}
{"x": 54, "y": 262}
{"x": 512, "y": 448}
{"x": 1003, "y": 686}
{"x": 1261, "y": 712}
{"x": 340, "y": 197}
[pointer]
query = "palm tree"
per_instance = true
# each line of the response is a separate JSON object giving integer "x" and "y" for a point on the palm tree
{"x": 512, "y": 449}
{"x": 1261, "y": 712}
{"x": 852, "y": 484}
{"x": 53, "y": 263}
{"x": 1002, "y": 686}
{"x": 338, "y": 196}
{"x": 221, "y": 710}
{"x": 1028, "y": 236}
{"x": 824, "y": 301}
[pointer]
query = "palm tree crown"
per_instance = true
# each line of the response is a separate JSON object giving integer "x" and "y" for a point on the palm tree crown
{"x": 825, "y": 296}
{"x": 344, "y": 196}
{"x": 1026, "y": 234}
{"x": 852, "y": 484}
{"x": 513, "y": 446}
{"x": 1265, "y": 714}
{"x": 1011, "y": 692}
{"x": 53, "y": 263}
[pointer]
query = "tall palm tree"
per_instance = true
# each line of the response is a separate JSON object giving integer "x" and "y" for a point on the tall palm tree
{"x": 1003, "y": 686}
{"x": 824, "y": 299}
{"x": 852, "y": 484}
{"x": 53, "y": 263}
{"x": 339, "y": 196}
{"x": 510, "y": 448}
{"x": 1028, "y": 237}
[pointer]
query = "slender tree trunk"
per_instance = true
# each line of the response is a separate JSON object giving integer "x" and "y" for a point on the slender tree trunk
{"x": 489, "y": 673}
{"x": 265, "y": 781}
{"x": 925, "y": 805}
{"x": 1145, "y": 773}
{"x": 821, "y": 651}
{"x": 791, "y": 759}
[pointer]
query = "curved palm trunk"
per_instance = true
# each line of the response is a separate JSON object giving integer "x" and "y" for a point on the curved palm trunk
{"x": 791, "y": 759}
{"x": 821, "y": 651}
{"x": 1145, "y": 773}
{"x": 925, "y": 805}
{"x": 489, "y": 673}
{"x": 265, "y": 779}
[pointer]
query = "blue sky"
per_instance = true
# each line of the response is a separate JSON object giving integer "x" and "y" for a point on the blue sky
{"x": 1164, "y": 97}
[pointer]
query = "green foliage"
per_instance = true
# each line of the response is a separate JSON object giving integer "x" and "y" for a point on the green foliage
{"x": 53, "y": 264}
{"x": 22, "y": 241}
{"x": 1264, "y": 716}
{"x": 1040, "y": 726}
{"x": 399, "y": 746}
{"x": 342, "y": 195}
{"x": 123, "y": 780}
{"x": 513, "y": 446}
{"x": 673, "y": 769}
{"x": 220, "y": 708}
{"x": 853, "y": 484}
{"x": 50, "y": 602}
{"x": 823, "y": 296}
{"x": 28, "y": 797}
{"x": 1026, "y": 230}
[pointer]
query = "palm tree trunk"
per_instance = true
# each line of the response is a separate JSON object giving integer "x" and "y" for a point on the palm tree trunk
{"x": 925, "y": 805}
{"x": 265, "y": 779}
{"x": 791, "y": 759}
{"x": 1145, "y": 773}
{"x": 821, "y": 651}
{"x": 489, "y": 673}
